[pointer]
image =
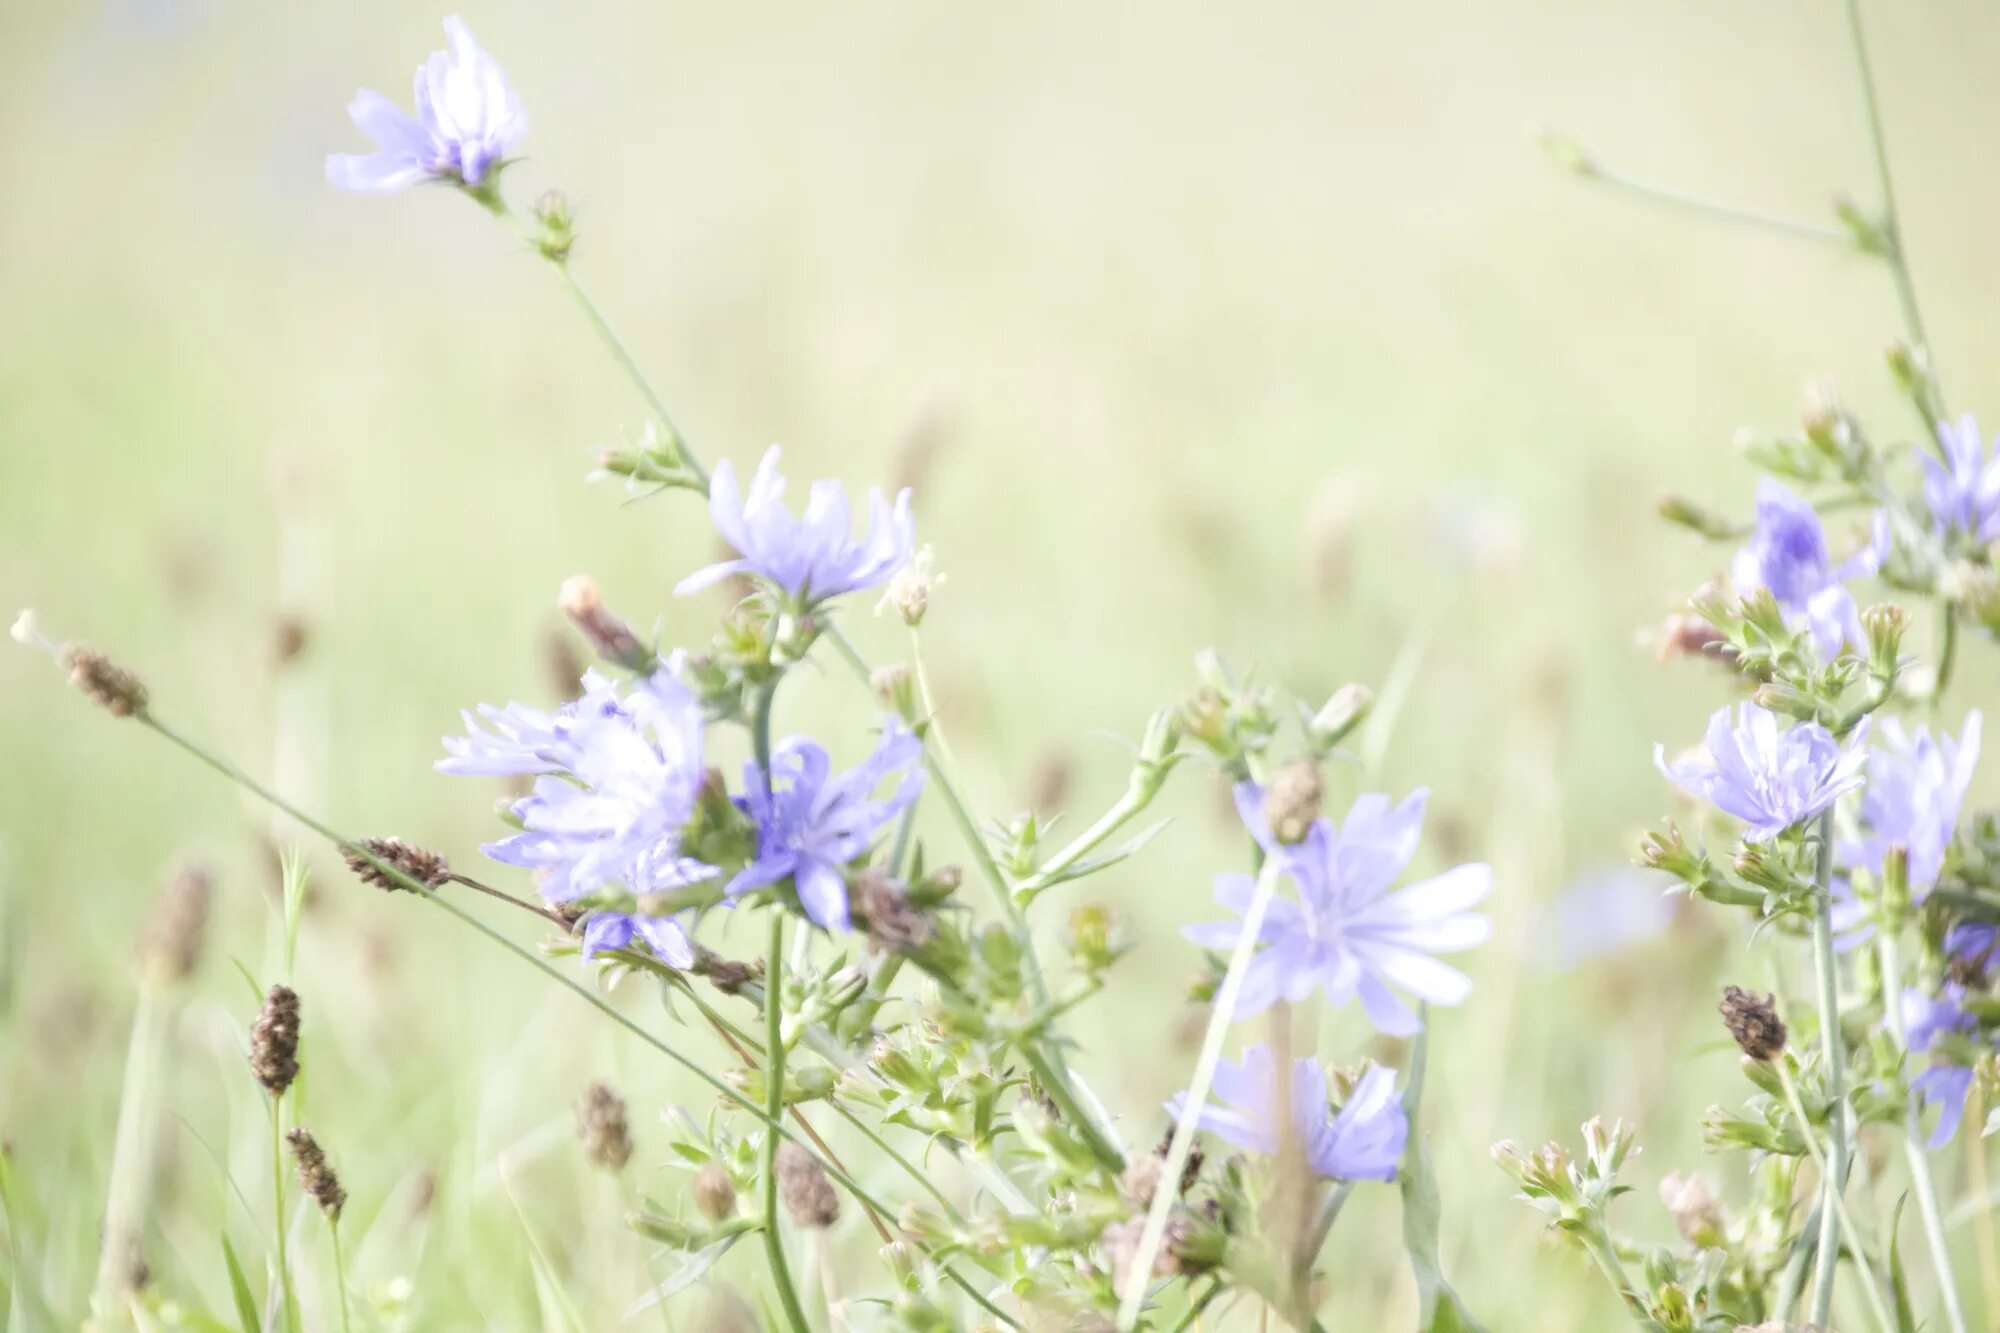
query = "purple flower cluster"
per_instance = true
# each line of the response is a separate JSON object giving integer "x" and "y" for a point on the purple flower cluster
{"x": 1787, "y": 555}
{"x": 468, "y": 119}
{"x": 1962, "y": 490}
{"x": 1916, "y": 785}
{"x": 809, "y": 557}
{"x": 1363, "y": 1140}
{"x": 616, "y": 775}
{"x": 811, "y": 824}
{"x": 1347, "y": 934}
{"x": 1770, "y": 776}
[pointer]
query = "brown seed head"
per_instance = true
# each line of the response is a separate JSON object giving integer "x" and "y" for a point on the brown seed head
{"x": 802, "y": 1184}
{"x": 113, "y": 688}
{"x": 714, "y": 1193}
{"x": 274, "y": 1041}
{"x": 316, "y": 1175}
{"x": 894, "y": 923}
{"x": 611, "y": 637}
{"x": 603, "y": 1128}
{"x": 1753, "y": 1022}
{"x": 421, "y": 864}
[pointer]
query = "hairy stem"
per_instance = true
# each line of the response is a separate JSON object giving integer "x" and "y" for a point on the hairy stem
{"x": 1150, "y": 1238}
{"x": 1913, "y": 1142}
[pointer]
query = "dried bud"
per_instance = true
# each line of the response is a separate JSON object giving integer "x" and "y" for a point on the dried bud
{"x": 170, "y": 945}
{"x": 1121, "y": 1247}
{"x": 726, "y": 975}
{"x": 601, "y": 1125}
{"x": 1683, "y": 512}
{"x": 909, "y": 593}
{"x": 1693, "y": 1206}
{"x": 274, "y": 1041}
{"x": 611, "y": 638}
{"x": 714, "y": 1194}
{"x": 114, "y": 689}
{"x": 316, "y": 1174}
{"x": 288, "y": 640}
{"x": 802, "y": 1184}
{"x": 896, "y": 686}
{"x": 427, "y": 867}
{"x": 1291, "y": 802}
{"x": 894, "y": 923}
{"x": 1689, "y": 636}
{"x": 1753, "y": 1022}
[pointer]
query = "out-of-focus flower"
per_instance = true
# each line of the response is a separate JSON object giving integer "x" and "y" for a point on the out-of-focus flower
{"x": 810, "y": 557}
{"x": 617, "y": 773}
{"x": 1946, "y": 1086}
{"x": 811, "y": 824}
{"x": 1607, "y": 911}
{"x": 1962, "y": 490}
{"x": 1916, "y": 785}
{"x": 468, "y": 119}
{"x": 1765, "y": 774}
{"x": 1787, "y": 554}
{"x": 1362, "y": 1141}
{"x": 1348, "y": 934}
{"x": 1972, "y": 953}
{"x": 1926, "y": 1018}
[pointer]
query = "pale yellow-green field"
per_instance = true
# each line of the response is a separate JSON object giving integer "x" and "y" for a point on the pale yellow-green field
{"x": 1265, "y": 328}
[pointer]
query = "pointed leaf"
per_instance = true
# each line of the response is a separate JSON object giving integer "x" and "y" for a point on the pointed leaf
{"x": 239, "y": 1288}
{"x": 1439, "y": 1310}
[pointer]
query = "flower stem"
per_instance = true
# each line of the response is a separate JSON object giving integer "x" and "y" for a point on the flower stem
{"x": 125, "y": 1205}
{"x": 1947, "y": 654}
{"x": 289, "y": 1297}
{"x": 1913, "y": 1144}
{"x": 1127, "y": 808}
{"x": 1596, "y": 1243}
{"x": 1723, "y": 210}
{"x": 623, "y": 356}
{"x": 1877, "y": 1305}
{"x": 340, "y": 1276}
{"x": 542, "y": 965}
{"x": 1830, "y": 1037}
{"x": 1892, "y": 223}
{"x": 1155, "y": 1230}
{"x": 774, "y": 1107}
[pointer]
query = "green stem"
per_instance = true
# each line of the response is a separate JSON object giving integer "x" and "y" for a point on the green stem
{"x": 1740, "y": 214}
{"x": 1129, "y": 806}
{"x": 1597, "y": 1244}
{"x": 1048, "y": 1064}
{"x": 542, "y": 965}
{"x": 1202, "y": 1302}
{"x": 1836, "y": 1076}
{"x": 623, "y": 356}
{"x": 1913, "y": 1142}
{"x": 909, "y": 1168}
{"x": 340, "y": 1276}
{"x": 125, "y": 1205}
{"x": 1947, "y": 654}
{"x": 289, "y": 1297}
{"x": 1877, "y": 1304}
{"x": 1892, "y": 222}
{"x": 774, "y": 1107}
{"x": 1182, "y": 1141}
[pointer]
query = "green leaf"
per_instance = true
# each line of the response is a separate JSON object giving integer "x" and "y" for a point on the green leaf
{"x": 1439, "y": 1309}
{"x": 1899, "y": 1287}
{"x": 239, "y": 1288}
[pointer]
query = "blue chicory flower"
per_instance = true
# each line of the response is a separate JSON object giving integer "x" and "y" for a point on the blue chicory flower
{"x": 468, "y": 119}
{"x": 1347, "y": 934}
{"x": 810, "y": 557}
{"x": 811, "y": 825}
{"x": 1767, "y": 775}
{"x": 1363, "y": 1140}
{"x": 1787, "y": 554}
{"x": 1975, "y": 947}
{"x": 1962, "y": 490}
{"x": 617, "y": 772}
{"x": 1915, "y": 786}
{"x": 1926, "y": 1018}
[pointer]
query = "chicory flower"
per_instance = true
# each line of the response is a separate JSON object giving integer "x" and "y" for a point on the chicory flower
{"x": 1787, "y": 555}
{"x": 1962, "y": 490}
{"x": 467, "y": 120}
{"x": 1363, "y": 1140}
{"x": 1770, "y": 776}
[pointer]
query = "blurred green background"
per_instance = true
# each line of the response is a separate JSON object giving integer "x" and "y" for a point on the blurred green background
{"x": 1265, "y": 329}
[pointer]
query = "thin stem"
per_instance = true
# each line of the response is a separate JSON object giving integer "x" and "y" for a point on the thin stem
{"x": 1722, "y": 210}
{"x": 1127, "y": 808}
{"x": 542, "y": 965}
{"x": 1913, "y": 1143}
{"x": 1597, "y": 1244}
{"x": 1892, "y": 222}
{"x": 1196, "y": 1097}
{"x": 774, "y": 1107}
{"x": 623, "y": 356}
{"x": 125, "y": 1204}
{"x": 1047, "y": 1064}
{"x": 340, "y": 1276}
{"x": 1947, "y": 654}
{"x": 288, "y": 1296}
{"x": 1877, "y": 1304}
{"x": 508, "y": 898}
{"x": 1982, "y": 1217}
{"x": 1836, "y": 1075}
{"x": 909, "y": 1168}
{"x": 1202, "y": 1302}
